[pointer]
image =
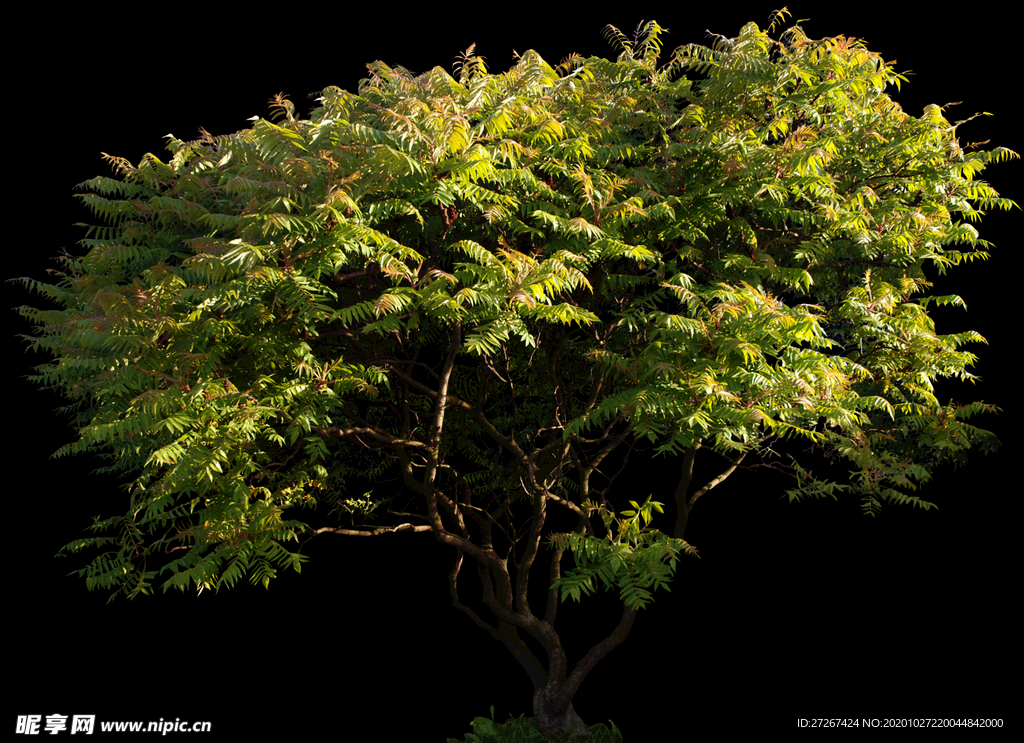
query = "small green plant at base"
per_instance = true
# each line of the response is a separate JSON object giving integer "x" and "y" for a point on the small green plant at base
{"x": 521, "y": 729}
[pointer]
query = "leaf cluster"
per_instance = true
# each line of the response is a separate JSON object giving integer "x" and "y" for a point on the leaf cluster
{"x": 523, "y": 730}
{"x": 632, "y": 558}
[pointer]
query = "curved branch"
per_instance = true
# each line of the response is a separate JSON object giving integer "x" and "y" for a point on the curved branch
{"x": 505, "y": 441}
{"x": 372, "y": 533}
{"x": 596, "y": 653}
{"x": 718, "y": 480}
{"x": 684, "y": 503}
{"x": 587, "y": 470}
{"x": 504, "y": 633}
{"x": 530, "y": 553}
{"x": 376, "y": 433}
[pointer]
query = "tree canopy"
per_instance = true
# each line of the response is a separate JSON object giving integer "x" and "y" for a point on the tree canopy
{"x": 461, "y": 304}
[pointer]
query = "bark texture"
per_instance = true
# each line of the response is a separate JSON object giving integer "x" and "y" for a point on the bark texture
{"x": 557, "y": 723}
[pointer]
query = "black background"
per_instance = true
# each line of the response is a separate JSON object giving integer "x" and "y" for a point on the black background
{"x": 793, "y": 611}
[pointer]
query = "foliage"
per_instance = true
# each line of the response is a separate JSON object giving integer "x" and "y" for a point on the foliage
{"x": 523, "y": 730}
{"x": 632, "y": 558}
{"x": 473, "y": 297}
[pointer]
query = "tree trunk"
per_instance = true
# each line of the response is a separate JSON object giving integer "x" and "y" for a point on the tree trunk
{"x": 558, "y": 722}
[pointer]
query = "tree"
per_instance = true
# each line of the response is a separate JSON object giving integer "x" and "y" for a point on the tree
{"x": 461, "y": 306}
